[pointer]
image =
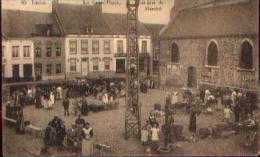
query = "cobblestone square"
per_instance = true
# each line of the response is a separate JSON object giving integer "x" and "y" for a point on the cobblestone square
{"x": 109, "y": 129}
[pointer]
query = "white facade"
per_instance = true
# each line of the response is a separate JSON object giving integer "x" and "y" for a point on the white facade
{"x": 21, "y": 58}
{"x": 85, "y": 62}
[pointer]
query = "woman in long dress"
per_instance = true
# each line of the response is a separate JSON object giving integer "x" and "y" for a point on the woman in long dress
{"x": 42, "y": 101}
{"x": 87, "y": 141}
{"x": 59, "y": 92}
{"x": 105, "y": 98}
{"x": 193, "y": 120}
{"x": 227, "y": 114}
{"x": 174, "y": 97}
{"x": 45, "y": 101}
{"x": 51, "y": 100}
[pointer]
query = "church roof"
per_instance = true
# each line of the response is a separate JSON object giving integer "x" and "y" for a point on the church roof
{"x": 232, "y": 19}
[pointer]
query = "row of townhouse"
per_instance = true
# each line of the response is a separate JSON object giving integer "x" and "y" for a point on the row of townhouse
{"x": 71, "y": 41}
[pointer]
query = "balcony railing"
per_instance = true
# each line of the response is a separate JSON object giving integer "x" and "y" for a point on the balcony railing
{"x": 120, "y": 54}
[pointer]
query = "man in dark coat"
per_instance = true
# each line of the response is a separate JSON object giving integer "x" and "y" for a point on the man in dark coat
{"x": 19, "y": 121}
{"x": 65, "y": 104}
{"x": 84, "y": 108}
{"x": 95, "y": 92}
{"x": 237, "y": 109}
{"x": 49, "y": 135}
{"x": 61, "y": 133}
{"x": 38, "y": 98}
{"x": 22, "y": 99}
{"x": 193, "y": 119}
{"x": 80, "y": 121}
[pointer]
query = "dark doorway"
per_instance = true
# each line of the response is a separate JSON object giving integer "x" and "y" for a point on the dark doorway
{"x": 156, "y": 67}
{"x": 192, "y": 77}
{"x": 142, "y": 64}
{"x": 148, "y": 66}
{"x": 120, "y": 65}
{"x": 27, "y": 71}
{"x": 16, "y": 71}
{"x": 38, "y": 71}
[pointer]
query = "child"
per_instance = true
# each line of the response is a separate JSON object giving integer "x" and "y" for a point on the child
{"x": 227, "y": 114}
{"x": 144, "y": 135}
{"x": 155, "y": 136}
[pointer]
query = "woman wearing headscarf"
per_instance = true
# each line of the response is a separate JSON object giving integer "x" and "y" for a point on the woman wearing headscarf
{"x": 87, "y": 141}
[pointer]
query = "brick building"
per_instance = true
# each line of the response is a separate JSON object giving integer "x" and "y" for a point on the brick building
{"x": 211, "y": 43}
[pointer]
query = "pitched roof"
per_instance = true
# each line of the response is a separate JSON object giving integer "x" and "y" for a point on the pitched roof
{"x": 154, "y": 29}
{"x": 75, "y": 19}
{"x": 231, "y": 19}
{"x": 118, "y": 24}
{"x": 23, "y": 23}
{"x": 66, "y": 18}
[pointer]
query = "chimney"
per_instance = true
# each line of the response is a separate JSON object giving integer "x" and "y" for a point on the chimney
{"x": 55, "y": 2}
{"x": 98, "y": 5}
{"x": 23, "y": 1}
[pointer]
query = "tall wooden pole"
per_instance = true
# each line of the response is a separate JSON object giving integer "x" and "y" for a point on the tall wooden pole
{"x": 132, "y": 114}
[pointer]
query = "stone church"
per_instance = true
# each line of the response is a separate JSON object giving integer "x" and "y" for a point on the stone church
{"x": 211, "y": 42}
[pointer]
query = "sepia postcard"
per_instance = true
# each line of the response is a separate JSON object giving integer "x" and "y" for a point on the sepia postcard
{"x": 130, "y": 78}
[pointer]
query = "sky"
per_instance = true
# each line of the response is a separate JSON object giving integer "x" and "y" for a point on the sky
{"x": 150, "y": 11}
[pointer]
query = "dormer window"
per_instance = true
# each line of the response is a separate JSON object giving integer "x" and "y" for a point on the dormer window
{"x": 43, "y": 29}
{"x": 23, "y": 2}
{"x": 89, "y": 30}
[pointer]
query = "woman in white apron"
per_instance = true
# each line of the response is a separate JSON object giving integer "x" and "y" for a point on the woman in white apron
{"x": 174, "y": 97}
{"x": 51, "y": 100}
{"x": 105, "y": 98}
{"x": 111, "y": 98}
{"x": 42, "y": 101}
{"x": 87, "y": 141}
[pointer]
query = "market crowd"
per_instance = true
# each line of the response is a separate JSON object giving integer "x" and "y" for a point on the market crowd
{"x": 237, "y": 107}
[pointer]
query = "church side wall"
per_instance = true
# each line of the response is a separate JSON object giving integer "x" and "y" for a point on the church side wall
{"x": 193, "y": 53}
